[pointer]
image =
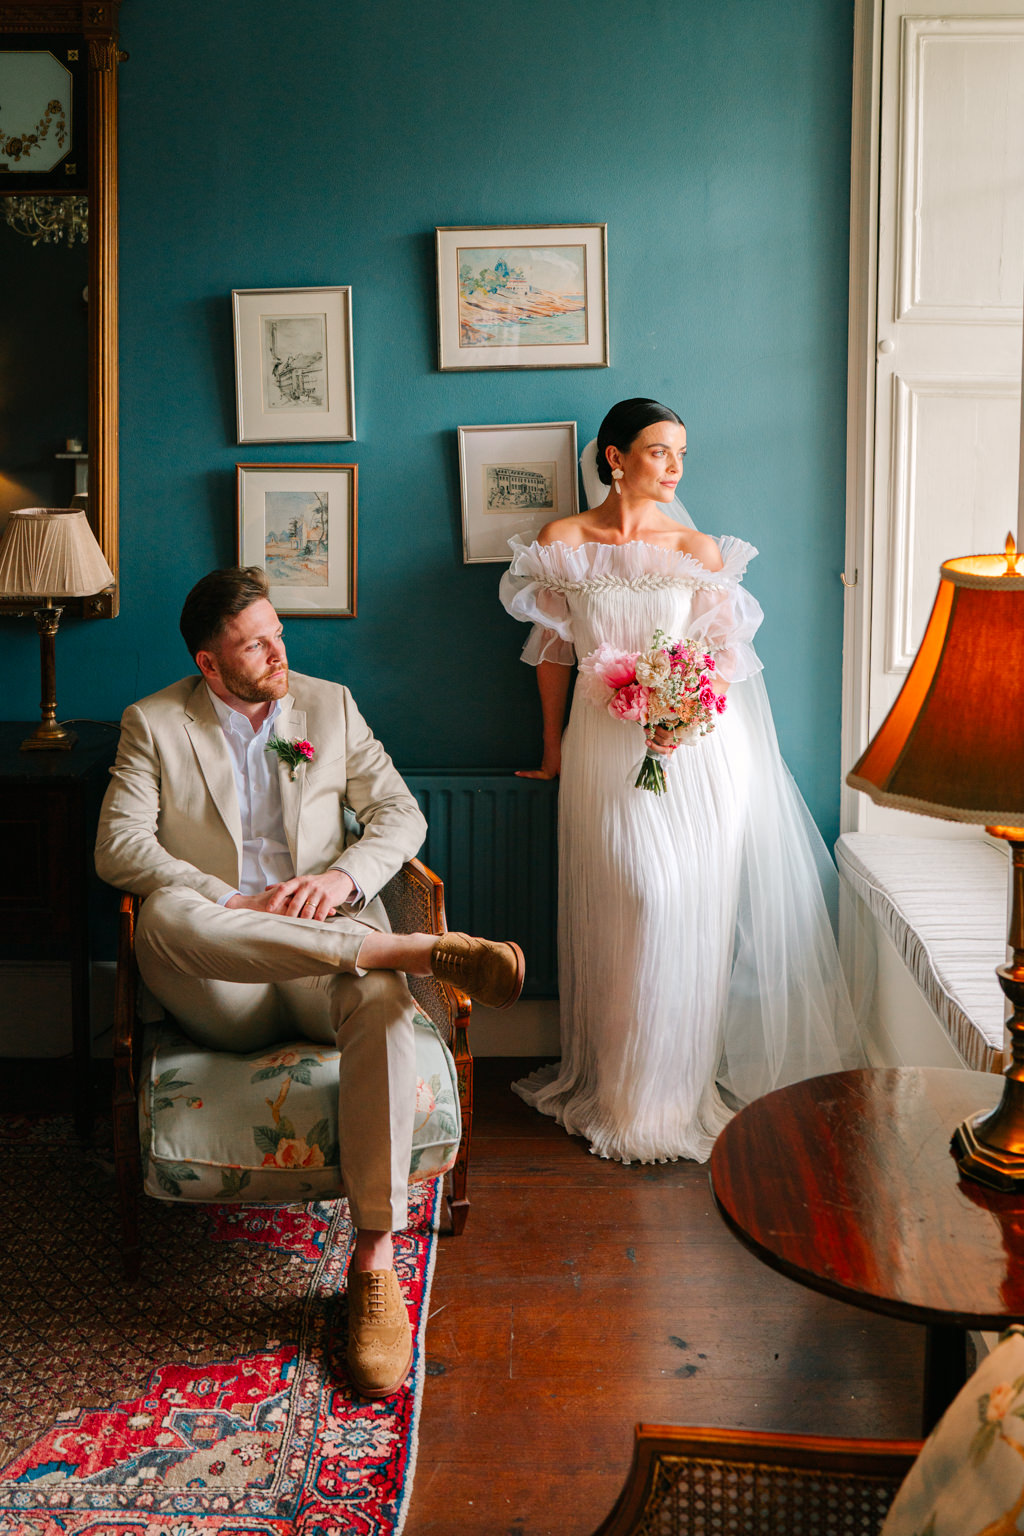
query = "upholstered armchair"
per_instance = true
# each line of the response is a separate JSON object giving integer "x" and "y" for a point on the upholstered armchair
{"x": 209, "y": 1126}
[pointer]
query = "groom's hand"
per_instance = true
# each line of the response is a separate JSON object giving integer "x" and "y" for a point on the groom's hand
{"x": 312, "y": 896}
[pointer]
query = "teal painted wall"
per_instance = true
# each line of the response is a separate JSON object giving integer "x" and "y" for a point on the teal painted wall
{"x": 322, "y": 144}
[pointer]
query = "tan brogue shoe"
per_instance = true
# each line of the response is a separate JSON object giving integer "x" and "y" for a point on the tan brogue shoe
{"x": 379, "y": 1335}
{"x": 491, "y": 972}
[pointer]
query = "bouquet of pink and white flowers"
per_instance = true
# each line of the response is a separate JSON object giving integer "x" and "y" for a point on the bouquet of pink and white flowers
{"x": 668, "y": 685}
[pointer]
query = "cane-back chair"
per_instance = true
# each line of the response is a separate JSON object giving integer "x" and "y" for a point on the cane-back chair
{"x": 691, "y": 1482}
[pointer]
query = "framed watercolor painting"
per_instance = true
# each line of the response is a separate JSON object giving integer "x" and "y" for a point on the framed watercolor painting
{"x": 299, "y": 521}
{"x": 522, "y": 296}
{"x": 514, "y": 480}
{"x": 293, "y": 365}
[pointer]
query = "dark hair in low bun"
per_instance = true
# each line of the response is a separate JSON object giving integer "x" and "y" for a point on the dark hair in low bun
{"x": 623, "y": 424}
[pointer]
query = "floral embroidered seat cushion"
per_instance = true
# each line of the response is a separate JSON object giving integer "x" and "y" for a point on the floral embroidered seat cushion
{"x": 263, "y": 1127}
{"x": 969, "y": 1477}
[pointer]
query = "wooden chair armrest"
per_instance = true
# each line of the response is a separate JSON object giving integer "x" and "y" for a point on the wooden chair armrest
{"x": 414, "y": 902}
{"x": 127, "y": 1059}
{"x": 126, "y": 1041}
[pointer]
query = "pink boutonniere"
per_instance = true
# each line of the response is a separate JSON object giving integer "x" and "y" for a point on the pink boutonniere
{"x": 296, "y": 754}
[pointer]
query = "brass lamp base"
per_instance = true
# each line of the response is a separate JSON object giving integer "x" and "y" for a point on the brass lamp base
{"x": 47, "y": 736}
{"x": 992, "y": 1166}
{"x": 990, "y": 1148}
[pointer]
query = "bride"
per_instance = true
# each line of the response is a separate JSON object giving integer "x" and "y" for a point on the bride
{"x": 697, "y": 964}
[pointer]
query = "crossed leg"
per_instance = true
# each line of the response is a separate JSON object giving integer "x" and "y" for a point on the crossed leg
{"x": 237, "y": 980}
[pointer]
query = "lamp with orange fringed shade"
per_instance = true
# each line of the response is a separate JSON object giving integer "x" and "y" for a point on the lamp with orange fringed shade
{"x": 50, "y": 553}
{"x": 950, "y": 746}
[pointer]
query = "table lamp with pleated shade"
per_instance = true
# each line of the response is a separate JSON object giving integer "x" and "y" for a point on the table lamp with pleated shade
{"x": 50, "y": 553}
{"x": 950, "y": 747}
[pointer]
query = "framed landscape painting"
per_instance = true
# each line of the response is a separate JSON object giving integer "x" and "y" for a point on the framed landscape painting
{"x": 299, "y": 522}
{"x": 293, "y": 365}
{"x": 514, "y": 480}
{"x": 522, "y": 296}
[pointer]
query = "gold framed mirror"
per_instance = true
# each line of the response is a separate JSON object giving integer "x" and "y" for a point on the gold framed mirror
{"x": 58, "y": 181}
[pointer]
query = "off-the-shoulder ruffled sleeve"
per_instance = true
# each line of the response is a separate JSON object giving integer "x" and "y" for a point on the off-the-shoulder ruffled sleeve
{"x": 726, "y": 618}
{"x": 524, "y": 593}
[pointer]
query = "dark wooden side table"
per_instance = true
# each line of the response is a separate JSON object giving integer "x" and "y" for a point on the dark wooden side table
{"x": 48, "y": 807}
{"x": 846, "y": 1183}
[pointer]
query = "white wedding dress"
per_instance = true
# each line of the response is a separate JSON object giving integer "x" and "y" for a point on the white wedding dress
{"x": 696, "y": 953}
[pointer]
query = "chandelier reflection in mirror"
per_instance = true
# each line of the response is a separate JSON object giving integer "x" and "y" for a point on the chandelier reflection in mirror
{"x": 48, "y": 220}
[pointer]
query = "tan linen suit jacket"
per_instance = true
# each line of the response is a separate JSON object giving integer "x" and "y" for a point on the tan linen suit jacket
{"x": 171, "y": 817}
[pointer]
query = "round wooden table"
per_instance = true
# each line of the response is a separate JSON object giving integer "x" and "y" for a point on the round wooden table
{"x": 847, "y": 1184}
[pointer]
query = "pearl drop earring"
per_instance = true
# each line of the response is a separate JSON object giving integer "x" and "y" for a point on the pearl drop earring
{"x": 616, "y": 477}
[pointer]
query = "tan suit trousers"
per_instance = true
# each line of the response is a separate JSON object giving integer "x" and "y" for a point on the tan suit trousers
{"x": 239, "y": 980}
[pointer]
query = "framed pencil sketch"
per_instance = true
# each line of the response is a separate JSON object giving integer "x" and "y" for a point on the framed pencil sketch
{"x": 293, "y": 365}
{"x": 299, "y": 521}
{"x": 522, "y": 296}
{"x": 514, "y": 480}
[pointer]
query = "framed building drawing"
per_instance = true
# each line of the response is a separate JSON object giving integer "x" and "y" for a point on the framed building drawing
{"x": 293, "y": 365}
{"x": 522, "y": 296}
{"x": 514, "y": 479}
{"x": 299, "y": 522}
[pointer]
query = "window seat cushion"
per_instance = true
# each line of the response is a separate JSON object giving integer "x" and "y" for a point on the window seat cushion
{"x": 943, "y": 903}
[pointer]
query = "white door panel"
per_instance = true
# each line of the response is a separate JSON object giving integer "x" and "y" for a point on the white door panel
{"x": 950, "y": 284}
{"x": 952, "y": 489}
{"x": 961, "y": 201}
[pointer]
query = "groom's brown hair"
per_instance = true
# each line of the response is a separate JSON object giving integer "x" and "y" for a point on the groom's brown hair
{"x": 216, "y": 598}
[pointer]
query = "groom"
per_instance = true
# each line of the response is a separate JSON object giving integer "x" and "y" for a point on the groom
{"x": 226, "y": 811}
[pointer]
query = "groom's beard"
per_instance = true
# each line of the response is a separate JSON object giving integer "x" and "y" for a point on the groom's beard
{"x": 261, "y": 690}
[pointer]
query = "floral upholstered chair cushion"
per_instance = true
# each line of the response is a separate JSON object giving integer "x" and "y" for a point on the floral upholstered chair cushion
{"x": 969, "y": 1477}
{"x": 263, "y": 1127}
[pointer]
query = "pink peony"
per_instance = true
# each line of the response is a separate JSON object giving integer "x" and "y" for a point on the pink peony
{"x": 592, "y": 687}
{"x": 707, "y": 696}
{"x": 305, "y": 747}
{"x": 603, "y": 671}
{"x": 720, "y": 702}
{"x": 630, "y": 703}
{"x": 616, "y": 668}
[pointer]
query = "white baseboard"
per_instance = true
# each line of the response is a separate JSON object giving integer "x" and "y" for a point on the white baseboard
{"x": 528, "y": 1028}
{"x": 899, "y": 1028}
{"x": 35, "y": 1009}
{"x": 35, "y": 1016}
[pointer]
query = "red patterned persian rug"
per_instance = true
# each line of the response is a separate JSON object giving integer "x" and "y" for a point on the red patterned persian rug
{"x": 209, "y": 1396}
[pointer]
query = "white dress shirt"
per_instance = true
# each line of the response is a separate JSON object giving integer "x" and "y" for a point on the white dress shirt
{"x": 266, "y": 857}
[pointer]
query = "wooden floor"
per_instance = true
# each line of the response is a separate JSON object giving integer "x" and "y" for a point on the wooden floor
{"x": 584, "y": 1297}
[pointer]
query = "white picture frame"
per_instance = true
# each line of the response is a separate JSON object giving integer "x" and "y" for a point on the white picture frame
{"x": 513, "y": 480}
{"x": 299, "y": 522}
{"x": 522, "y": 296}
{"x": 294, "y": 365}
